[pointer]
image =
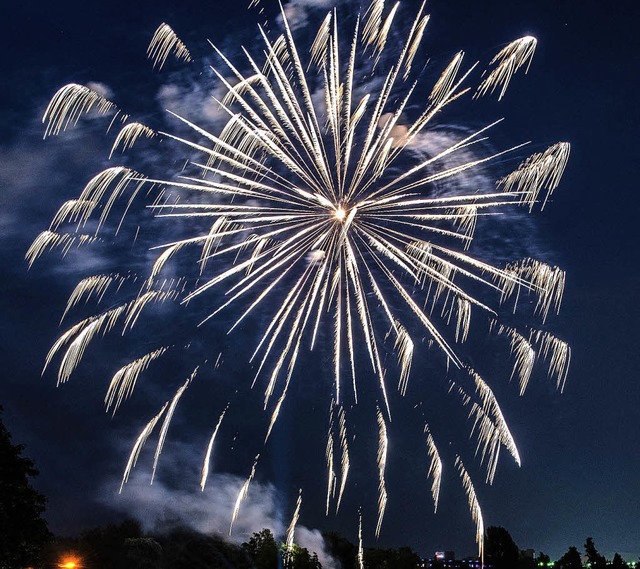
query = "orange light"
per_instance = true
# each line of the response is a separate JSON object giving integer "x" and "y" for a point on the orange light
{"x": 70, "y": 564}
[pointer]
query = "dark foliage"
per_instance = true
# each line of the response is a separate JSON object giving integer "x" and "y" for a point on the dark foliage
{"x": 618, "y": 562}
{"x": 125, "y": 546}
{"x": 402, "y": 558}
{"x": 105, "y": 546}
{"x": 500, "y": 550}
{"x": 543, "y": 558}
{"x": 596, "y": 560}
{"x": 266, "y": 553}
{"x": 187, "y": 549}
{"x": 263, "y": 550}
{"x": 341, "y": 549}
{"x": 346, "y": 554}
{"x": 142, "y": 553}
{"x": 526, "y": 561}
{"x": 23, "y": 532}
{"x": 299, "y": 558}
{"x": 570, "y": 560}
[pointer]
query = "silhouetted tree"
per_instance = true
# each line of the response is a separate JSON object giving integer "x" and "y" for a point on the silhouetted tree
{"x": 263, "y": 550}
{"x": 23, "y": 532}
{"x": 298, "y": 557}
{"x": 375, "y": 558}
{"x": 265, "y": 553}
{"x": 105, "y": 546}
{"x": 499, "y": 548}
{"x": 618, "y": 562}
{"x": 543, "y": 558}
{"x": 570, "y": 560}
{"x": 406, "y": 558}
{"x": 402, "y": 558}
{"x": 596, "y": 560}
{"x": 142, "y": 553}
{"x": 188, "y": 549}
{"x": 526, "y": 560}
{"x": 341, "y": 549}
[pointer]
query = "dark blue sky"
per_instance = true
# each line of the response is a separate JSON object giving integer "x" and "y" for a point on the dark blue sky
{"x": 581, "y": 465}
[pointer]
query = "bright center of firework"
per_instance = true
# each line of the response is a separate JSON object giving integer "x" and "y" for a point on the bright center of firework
{"x": 340, "y": 213}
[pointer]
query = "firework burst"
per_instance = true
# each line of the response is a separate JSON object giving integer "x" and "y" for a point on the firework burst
{"x": 319, "y": 210}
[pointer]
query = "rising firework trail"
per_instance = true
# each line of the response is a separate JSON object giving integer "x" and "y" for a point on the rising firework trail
{"x": 320, "y": 211}
{"x": 292, "y": 526}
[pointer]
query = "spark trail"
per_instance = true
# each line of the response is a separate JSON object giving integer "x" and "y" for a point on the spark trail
{"x": 320, "y": 212}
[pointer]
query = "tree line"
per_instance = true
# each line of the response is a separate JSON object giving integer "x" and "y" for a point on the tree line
{"x": 501, "y": 552}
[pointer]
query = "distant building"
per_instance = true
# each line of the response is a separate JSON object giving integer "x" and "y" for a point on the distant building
{"x": 472, "y": 563}
{"x": 528, "y": 553}
{"x": 445, "y": 555}
{"x": 447, "y": 560}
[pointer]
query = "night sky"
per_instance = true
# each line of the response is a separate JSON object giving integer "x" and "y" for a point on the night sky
{"x": 580, "y": 462}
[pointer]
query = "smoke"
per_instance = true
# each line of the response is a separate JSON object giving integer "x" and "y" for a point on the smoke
{"x": 101, "y": 88}
{"x": 297, "y": 11}
{"x": 161, "y": 506}
{"x": 195, "y": 102}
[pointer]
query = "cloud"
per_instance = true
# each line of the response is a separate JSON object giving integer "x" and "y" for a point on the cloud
{"x": 297, "y": 11}
{"x": 502, "y": 236}
{"x": 101, "y": 88}
{"x": 195, "y": 103}
{"x": 432, "y": 142}
{"x": 37, "y": 176}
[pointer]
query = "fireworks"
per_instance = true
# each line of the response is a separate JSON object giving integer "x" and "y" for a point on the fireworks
{"x": 292, "y": 526}
{"x": 163, "y": 43}
{"x": 383, "y": 446}
{"x": 319, "y": 208}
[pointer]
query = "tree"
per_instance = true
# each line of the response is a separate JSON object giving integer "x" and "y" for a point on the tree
{"x": 341, "y": 549}
{"x": 346, "y": 553}
{"x": 402, "y": 558}
{"x": 570, "y": 560}
{"x": 596, "y": 560}
{"x": 618, "y": 562}
{"x": 499, "y": 548}
{"x": 185, "y": 548}
{"x": 527, "y": 560}
{"x": 406, "y": 558}
{"x": 105, "y": 545}
{"x": 23, "y": 532}
{"x": 297, "y": 557}
{"x": 263, "y": 549}
{"x": 543, "y": 558}
{"x": 265, "y": 553}
{"x": 142, "y": 552}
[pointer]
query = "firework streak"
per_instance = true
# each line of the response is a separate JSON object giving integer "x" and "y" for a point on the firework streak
{"x": 313, "y": 216}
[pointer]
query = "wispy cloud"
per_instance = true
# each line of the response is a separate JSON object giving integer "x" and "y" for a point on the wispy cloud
{"x": 297, "y": 11}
